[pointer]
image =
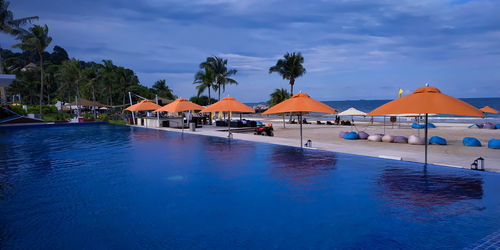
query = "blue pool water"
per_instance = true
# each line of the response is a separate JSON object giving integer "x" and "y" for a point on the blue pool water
{"x": 108, "y": 186}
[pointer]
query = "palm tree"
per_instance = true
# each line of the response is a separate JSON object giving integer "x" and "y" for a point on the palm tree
{"x": 71, "y": 75}
{"x": 37, "y": 37}
{"x": 290, "y": 68}
{"x": 10, "y": 25}
{"x": 222, "y": 74}
{"x": 278, "y": 96}
{"x": 205, "y": 80}
{"x": 109, "y": 78}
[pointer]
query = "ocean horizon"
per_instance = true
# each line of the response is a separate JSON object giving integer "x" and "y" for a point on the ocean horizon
{"x": 369, "y": 105}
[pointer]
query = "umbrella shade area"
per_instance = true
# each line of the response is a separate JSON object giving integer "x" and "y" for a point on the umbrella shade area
{"x": 85, "y": 102}
{"x": 489, "y": 109}
{"x": 300, "y": 102}
{"x": 144, "y": 105}
{"x": 228, "y": 104}
{"x": 179, "y": 105}
{"x": 352, "y": 112}
{"x": 427, "y": 100}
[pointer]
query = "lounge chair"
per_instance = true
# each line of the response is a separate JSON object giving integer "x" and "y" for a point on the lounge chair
{"x": 329, "y": 123}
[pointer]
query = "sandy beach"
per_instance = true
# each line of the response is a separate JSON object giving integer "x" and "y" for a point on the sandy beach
{"x": 325, "y": 137}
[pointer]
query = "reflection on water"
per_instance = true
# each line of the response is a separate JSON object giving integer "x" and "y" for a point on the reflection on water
{"x": 301, "y": 165}
{"x": 427, "y": 188}
{"x": 121, "y": 187}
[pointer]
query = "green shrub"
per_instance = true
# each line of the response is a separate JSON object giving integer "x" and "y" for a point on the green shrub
{"x": 103, "y": 117}
{"x": 18, "y": 109}
{"x": 87, "y": 116}
{"x": 46, "y": 109}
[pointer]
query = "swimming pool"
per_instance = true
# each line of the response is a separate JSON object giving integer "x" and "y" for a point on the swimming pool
{"x": 107, "y": 186}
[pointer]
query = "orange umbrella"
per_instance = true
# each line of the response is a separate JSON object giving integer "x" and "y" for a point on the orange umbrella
{"x": 228, "y": 104}
{"x": 180, "y": 105}
{"x": 300, "y": 103}
{"x": 489, "y": 109}
{"x": 143, "y": 106}
{"x": 427, "y": 100}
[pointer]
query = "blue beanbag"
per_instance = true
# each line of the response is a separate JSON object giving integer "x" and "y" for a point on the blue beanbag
{"x": 437, "y": 140}
{"x": 497, "y": 126}
{"x": 494, "y": 143}
{"x": 430, "y": 125}
{"x": 471, "y": 142}
{"x": 351, "y": 136}
{"x": 417, "y": 126}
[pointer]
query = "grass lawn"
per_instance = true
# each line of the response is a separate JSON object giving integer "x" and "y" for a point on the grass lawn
{"x": 117, "y": 122}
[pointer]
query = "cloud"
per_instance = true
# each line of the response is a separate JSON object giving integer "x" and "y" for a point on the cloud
{"x": 346, "y": 44}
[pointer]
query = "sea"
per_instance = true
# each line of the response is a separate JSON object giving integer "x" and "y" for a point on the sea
{"x": 369, "y": 105}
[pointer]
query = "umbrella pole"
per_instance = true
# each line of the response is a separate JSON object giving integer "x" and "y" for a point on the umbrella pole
{"x": 426, "y": 142}
{"x": 229, "y": 128}
{"x": 300, "y": 121}
{"x": 133, "y": 117}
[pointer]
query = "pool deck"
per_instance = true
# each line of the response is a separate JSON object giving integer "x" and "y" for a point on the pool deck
{"x": 414, "y": 153}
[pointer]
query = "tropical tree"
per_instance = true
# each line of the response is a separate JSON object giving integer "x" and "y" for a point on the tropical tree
{"x": 109, "y": 76}
{"x": 222, "y": 74}
{"x": 202, "y": 100}
{"x": 290, "y": 68}
{"x": 126, "y": 77}
{"x": 10, "y": 25}
{"x": 205, "y": 80}
{"x": 161, "y": 89}
{"x": 71, "y": 76}
{"x": 36, "y": 38}
{"x": 278, "y": 96}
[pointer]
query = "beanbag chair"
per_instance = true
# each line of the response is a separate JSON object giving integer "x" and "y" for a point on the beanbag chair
{"x": 351, "y": 136}
{"x": 494, "y": 143}
{"x": 342, "y": 134}
{"x": 363, "y": 135}
{"x": 489, "y": 125}
{"x": 430, "y": 125}
{"x": 476, "y": 125}
{"x": 497, "y": 126}
{"x": 417, "y": 126}
{"x": 437, "y": 140}
{"x": 387, "y": 138}
{"x": 400, "y": 139}
{"x": 471, "y": 142}
{"x": 376, "y": 138}
{"x": 415, "y": 140}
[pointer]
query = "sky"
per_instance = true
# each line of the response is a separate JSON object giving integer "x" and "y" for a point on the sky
{"x": 352, "y": 49}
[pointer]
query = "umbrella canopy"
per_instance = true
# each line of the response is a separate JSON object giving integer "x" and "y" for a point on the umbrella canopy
{"x": 85, "y": 102}
{"x": 228, "y": 104}
{"x": 489, "y": 109}
{"x": 300, "y": 102}
{"x": 143, "y": 106}
{"x": 352, "y": 112}
{"x": 179, "y": 105}
{"x": 427, "y": 100}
